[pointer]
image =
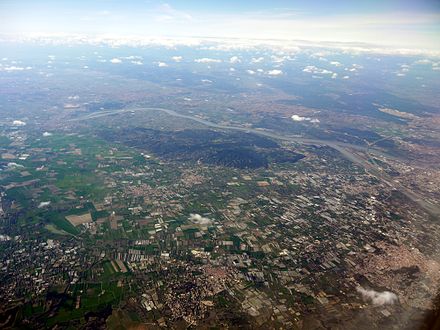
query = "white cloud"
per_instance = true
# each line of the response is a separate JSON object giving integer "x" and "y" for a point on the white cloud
{"x": 234, "y": 59}
{"x": 137, "y": 62}
{"x": 377, "y": 298}
{"x": 16, "y": 68}
{"x": 424, "y": 61}
{"x": 162, "y": 64}
{"x": 310, "y": 68}
{"x": 405, "y": 66}
{"x": 250, "y": 71}
{"x": 274, "y": 72}
{"x": 43, "y": 204}
{"x": 334, "y": 75}
{"x": 12, "y": 164}
{"x": 300, "y": 118}
{"x": 207, "y": 60}
{"x": 133, "y": 57}
{"x": 316, "y": 70}
{"x": 321, "y": 54}
{"x": 73, "y": 97}
{"x": 257, "y": 59}
{"x": 232, "y": 69}
{"x": 198, "y": 219}
{"x": 216, "y": 42}
{"x": 346, "y": 77}
{"x": 177, "y": 58}
{"x": 115, "y": 61}
{"x": 335, "y": 63}
{"x": 206, "y": 81}
{"x": 279, "y": 59}
{"x": 18, "y": 123}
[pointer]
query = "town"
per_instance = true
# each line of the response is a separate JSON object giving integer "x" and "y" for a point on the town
{"x": 88, "y": 223}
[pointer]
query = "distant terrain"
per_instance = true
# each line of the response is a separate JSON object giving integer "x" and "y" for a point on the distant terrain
{"x": 254, "y": 186}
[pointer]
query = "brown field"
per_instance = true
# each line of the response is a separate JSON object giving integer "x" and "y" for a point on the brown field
{"x": 77, "y": 220}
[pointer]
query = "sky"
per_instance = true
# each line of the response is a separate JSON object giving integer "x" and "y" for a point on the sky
{"x": 393, "y": 23}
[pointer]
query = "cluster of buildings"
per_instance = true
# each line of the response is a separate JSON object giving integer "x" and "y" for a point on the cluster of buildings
{"x": 277, "y": 244}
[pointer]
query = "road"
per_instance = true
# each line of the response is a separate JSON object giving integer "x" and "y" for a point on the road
{"x": 341, "y": 147}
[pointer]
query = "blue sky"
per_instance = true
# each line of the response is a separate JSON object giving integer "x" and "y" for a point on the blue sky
{"x": 400, "y": 23}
